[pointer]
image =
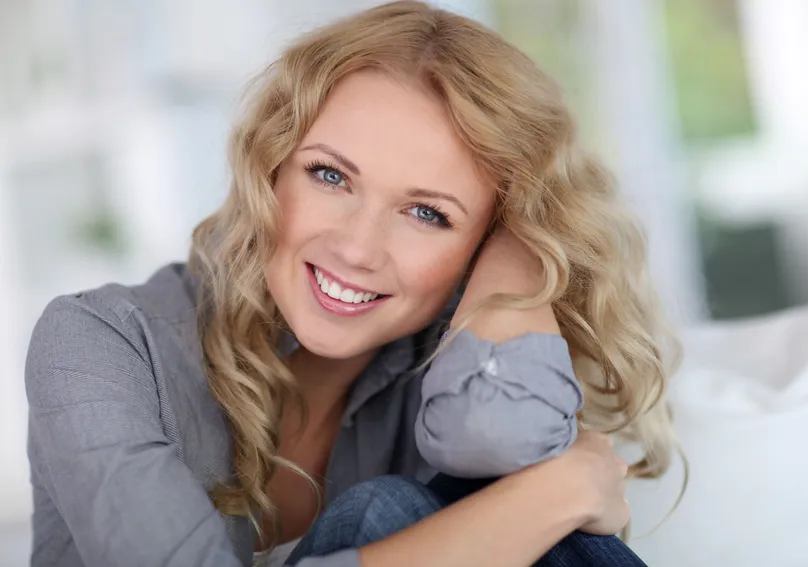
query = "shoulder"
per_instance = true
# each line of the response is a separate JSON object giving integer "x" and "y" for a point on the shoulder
{"x": 127, "y": 324}
{"x": 120, "y": 415}
{"x": 169, "y": 295}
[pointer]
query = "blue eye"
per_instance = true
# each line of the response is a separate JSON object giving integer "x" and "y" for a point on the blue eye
{"x": 429, "y": 216}
{"x": 327, "y": 175}
{"x": 424, "y": 214}
{"x": 331, "y": 176}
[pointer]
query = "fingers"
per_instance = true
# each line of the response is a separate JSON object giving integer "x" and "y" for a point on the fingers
{"x": 608, "y": 441}
{"x": 609, "y": 474}
{"x": 623, "y": 465}
{"x": 603, "y": 445}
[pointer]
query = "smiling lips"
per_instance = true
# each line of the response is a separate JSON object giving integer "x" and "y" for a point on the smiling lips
{"x": 340, "y": 299}
{"x": 345, "y": 294}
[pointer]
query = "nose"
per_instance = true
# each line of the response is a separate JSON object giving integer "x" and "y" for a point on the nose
{"x": 360, "y": 241}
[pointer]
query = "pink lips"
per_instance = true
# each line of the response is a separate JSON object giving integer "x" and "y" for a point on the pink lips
{"x": 339, "y": 307}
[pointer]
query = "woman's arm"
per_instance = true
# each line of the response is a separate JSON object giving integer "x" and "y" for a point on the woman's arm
{"x": 98, "y": 450}
{"x": 502, "y": 395}
{"x": 516, "y": 520}
{"x": 505, "y": 266}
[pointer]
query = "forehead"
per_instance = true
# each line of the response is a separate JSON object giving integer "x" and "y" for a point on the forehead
{"x": 391, "y": 128}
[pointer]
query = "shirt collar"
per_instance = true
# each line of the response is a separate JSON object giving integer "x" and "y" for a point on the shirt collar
{"x": 392, "y": 360}
{"x": 391, "y": 363}
{"x": 395, "y": 360}
{"x": 287, "y": 343}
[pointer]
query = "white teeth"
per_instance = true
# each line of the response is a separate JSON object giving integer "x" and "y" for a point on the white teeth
{"x": 347, "y": 295}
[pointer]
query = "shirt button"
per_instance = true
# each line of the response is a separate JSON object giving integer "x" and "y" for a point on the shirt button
{"x": 490, "y": 367}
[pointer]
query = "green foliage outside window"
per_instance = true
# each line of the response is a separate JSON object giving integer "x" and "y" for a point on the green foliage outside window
{"x": 703, "y": 41}
{"x": 709, "y": 69}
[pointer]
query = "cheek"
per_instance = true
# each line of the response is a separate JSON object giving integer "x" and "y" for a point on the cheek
{"x": 431, "y": 275}
{"x": 298, "y": 212}
{"x": 289, "y": 208}
{"x": 293, "y": 232}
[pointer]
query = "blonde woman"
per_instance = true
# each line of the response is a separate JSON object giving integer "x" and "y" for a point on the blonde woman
{"x": 311, "y": 368}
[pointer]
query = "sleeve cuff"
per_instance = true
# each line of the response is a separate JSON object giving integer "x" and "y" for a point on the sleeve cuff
{"x": 491, "y": 409}
{"x": 534, "y": 364}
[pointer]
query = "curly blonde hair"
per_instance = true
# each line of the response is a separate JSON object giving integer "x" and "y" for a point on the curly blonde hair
{"x": 552, "y": 196}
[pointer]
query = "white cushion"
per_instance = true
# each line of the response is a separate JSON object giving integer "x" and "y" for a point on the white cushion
{"x": 741, "y": 411}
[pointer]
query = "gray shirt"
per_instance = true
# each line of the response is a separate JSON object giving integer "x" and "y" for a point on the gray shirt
{"x": 125, "y": 439}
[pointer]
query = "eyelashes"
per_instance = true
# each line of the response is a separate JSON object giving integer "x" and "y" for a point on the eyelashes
{"x": 440, "y": 219}
{"x": 332, "y": 178}
{"x": 315, "y": 168}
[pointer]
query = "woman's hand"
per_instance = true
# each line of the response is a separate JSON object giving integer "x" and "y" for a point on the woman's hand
{"x": 505, "y": 265}
{"x": 601, "y": 477}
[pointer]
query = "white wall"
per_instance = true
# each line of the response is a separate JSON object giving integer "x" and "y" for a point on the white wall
{"x": 637, "y": 119}
{"x": 14, "y": 493}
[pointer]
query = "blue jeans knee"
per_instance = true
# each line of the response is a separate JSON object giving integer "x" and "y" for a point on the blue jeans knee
{"x": 369, "y": 511}
{"x": 382, "y": 506}
{"x": 376, "y": 509}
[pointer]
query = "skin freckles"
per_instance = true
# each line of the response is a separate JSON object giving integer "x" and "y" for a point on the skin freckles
{"x": 359, "y": 198}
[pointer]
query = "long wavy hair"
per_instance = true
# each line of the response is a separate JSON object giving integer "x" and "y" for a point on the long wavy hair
{"x": 550, "y": 194}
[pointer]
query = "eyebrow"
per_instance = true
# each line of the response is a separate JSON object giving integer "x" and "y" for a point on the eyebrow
{"x": 415, "y": 192}
{"x": 348, "y": 164}
{"x": 430, "y": 194}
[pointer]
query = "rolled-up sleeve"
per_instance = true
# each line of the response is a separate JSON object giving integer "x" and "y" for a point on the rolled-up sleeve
{"x": 490, "y": 409}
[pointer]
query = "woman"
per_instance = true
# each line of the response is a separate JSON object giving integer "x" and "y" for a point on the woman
{"x": 384, "y": 163}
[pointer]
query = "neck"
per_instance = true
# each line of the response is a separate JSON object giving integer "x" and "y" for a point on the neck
{"x": 324, "y": 383}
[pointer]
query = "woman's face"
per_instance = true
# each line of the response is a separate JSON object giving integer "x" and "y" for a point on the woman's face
{"x": 381, "y": 210}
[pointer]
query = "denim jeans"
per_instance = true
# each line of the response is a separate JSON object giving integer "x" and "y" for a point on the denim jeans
{"x": 378, "y": 508}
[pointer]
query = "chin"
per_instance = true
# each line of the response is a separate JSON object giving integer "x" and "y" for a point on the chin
{"x": 330, "y": 346}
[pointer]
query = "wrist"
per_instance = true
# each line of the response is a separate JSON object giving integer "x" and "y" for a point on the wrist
{"x": 501, "y": 324}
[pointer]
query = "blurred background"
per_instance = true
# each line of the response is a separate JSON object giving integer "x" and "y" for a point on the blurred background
{"x": 113, "y": 123}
